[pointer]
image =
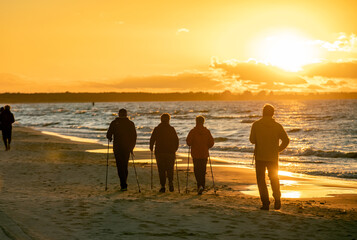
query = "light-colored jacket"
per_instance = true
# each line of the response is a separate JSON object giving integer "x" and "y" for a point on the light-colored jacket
{"x": 200, "y": 140}
{"x": 266, "y": 134}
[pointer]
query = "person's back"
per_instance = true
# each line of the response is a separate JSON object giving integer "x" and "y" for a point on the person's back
{"x": 7, "y": 118}
{"x": 266, "y": 133}
{"x": 165, "y": 138}
{"x": 124, "y": 134}
{"x": 200, "y": 140}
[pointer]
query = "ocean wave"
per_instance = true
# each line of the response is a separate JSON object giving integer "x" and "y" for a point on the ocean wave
{"x": 294, "y": 130}
{"x": 49, "y": 124}
{"x": 350, "y": 175}
{"x": 221, "y": 117}
{"x": 301, "y": 161}
{"x": 247, "y": 121}
{"x": 221, "y": 139}
{"x": 327, "y": 154}
{"x": 234, "y": 149}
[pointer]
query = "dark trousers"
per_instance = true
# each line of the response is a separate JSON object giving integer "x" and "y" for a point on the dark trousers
{"x": 273, "y": 168}
{"x": 199, "y": 168}
{"x": 6, "y": 135}
{"x": 122, "y": 160}
{"x": 165, "y": 164}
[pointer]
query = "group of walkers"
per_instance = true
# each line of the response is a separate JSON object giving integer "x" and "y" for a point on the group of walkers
{"x": 6, "y": 121}
{"x": 269, "y": 138}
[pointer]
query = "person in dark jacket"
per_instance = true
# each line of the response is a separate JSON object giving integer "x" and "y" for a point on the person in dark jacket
{"x": 266, "y": 134}
{"x": 166, "y": 142}
{"x": 7, "y": 119}
{"x": 124, "y": 142}
{"x": 200, "y": 140}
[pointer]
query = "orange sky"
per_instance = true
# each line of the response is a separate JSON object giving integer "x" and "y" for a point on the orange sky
{"x": 113, "y": 45}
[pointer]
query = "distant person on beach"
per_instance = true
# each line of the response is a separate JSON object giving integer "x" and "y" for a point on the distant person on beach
{"x": 166, "y": 142}
{"x": 200, "y": 140}
{"x": 124, "y": 142}
{"x": 266, "y": 134}
{"x": 6, "y": 120}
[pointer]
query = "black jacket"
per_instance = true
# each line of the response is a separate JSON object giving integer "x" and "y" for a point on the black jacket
{"x": 6, "y": 119}
{"x": 165, "y": 139}
{"x": 124, "y": 134}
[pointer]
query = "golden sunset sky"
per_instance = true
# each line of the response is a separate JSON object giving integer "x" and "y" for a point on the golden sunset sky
{"x": 165, "y": 46}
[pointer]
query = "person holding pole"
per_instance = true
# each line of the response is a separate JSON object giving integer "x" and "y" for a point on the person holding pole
{"x": 166, "y": 142}
{"x": 266, "y": 134}
{"x": 124, "y": 133}
{"x": 200, "y": 140}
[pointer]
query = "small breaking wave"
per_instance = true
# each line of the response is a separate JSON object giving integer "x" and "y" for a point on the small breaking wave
{"x": 221, "y": 139}
{"x": 327, "y": 154}
{"x": 350, "y": 175}
{"x": 247, "y": 121}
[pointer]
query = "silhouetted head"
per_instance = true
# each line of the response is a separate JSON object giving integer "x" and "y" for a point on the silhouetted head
{"x": 2, "y": 109}
{"x": 268, "y": 110}
{"x": 123, "y": 113}
{"x": 165, "y": 118}
{"x": 7, "y": 107}
{"x": 200, "y": 120}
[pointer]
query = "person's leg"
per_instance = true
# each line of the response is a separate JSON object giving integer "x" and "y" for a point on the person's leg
{"x": 170, "y": 170}
{"x": 122, "y": 160}
{"x": 273, "y": 173}
{"x": 260, "y": 167}
{"x": 196, "y": 170}
{"x": 160, "y": 161}
{"x": 4, "y": 138}
{"x": 203, "y": 172}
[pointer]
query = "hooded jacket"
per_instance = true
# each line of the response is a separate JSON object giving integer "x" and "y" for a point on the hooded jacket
{"x": 266, "y": 134}
{"x": 124, "y": 134}
{"x": 200, "y": 140}
{"x": 165, "y": 139}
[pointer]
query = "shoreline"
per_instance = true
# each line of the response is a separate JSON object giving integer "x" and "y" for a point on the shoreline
{"x": 48, "y": 180}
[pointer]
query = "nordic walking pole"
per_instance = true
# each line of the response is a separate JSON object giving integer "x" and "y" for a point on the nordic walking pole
{"x": 106, "y": 175}
{"x": 177, "y": 175}
{"x": 188, "y": 167}
{"x": 210, "y": 163}
{"x": 151, "y": 170}
{"x": 136, "y": 175}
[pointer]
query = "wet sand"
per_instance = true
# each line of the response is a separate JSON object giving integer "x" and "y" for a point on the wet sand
{"x": 53, "y": 188}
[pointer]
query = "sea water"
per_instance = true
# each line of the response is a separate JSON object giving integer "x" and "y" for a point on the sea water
{"x": 323, "y": 133}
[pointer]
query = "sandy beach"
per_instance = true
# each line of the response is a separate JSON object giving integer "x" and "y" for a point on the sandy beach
{"x": 53, "y": 188}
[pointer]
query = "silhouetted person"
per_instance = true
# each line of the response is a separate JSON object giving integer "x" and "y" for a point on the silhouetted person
{"x": 166, "y": 142}
{"x": 200, "y": 140}
{"x": 7, "y": 119}
{"x": 124, "y": 142}
{"x": 266, "y": 134}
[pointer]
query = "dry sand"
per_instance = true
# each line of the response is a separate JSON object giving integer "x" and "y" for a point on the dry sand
{"x": 51, "y": 188}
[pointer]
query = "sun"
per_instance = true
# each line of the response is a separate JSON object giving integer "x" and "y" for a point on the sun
{"x": 287, "y": 50}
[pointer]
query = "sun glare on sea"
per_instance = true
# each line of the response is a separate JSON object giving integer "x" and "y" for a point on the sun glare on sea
{"x": 287, "y": 50}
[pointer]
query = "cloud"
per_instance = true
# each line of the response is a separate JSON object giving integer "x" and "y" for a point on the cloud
{"x": 182, "y": 30}
{"x": 253, "y": 72}
{"x": 344, "y": 43}
{"x": 332, "y": 69}
{"x": 184, "y": 81}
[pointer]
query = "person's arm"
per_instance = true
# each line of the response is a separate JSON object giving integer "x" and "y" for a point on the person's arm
{"x": 134, "y": 136}
{"x": 189, "y": 138}
{"x": 210, "y": 140}
{"x": 252, "y": 137}
{"x": 153, "y": 139}
{"x": 12, "y": 118}
{"x": 284, "y": 139}
{"x": 110, "y": 132}
{"x": 176, "y": 139}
